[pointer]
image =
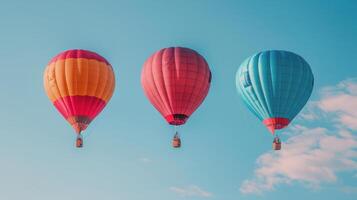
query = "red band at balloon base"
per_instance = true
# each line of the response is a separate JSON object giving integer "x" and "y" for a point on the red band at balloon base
{"x": 176, "y": 119}
{"x": 276, "y": 123}
{"x": 79, "y": 111}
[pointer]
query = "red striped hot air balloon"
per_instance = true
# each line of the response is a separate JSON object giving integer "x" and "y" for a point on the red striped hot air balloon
{"x": 176, "y": 80}
{"x": 79, "y": 83}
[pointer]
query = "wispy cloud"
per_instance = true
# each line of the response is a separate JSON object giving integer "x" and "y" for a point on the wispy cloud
{"x": 145, "y": 160}
{"x": 349, "y": 189}
{"x": 314, "y": 155}
{"x": 191, "y": 191}
{"x": 342, "y": 101}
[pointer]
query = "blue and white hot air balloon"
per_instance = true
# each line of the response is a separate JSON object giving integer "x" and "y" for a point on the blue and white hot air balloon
{"x": 275, "y": 85}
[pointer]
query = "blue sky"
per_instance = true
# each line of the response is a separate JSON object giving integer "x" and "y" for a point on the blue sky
{"x": 227, "y": 152}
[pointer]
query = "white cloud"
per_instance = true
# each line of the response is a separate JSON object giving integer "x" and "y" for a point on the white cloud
{"x": 191, "y": 191}
{"x": 309, "y": 113}
{"x": 314, "y": 155}
{"x": 342, "y": 101}
{"x": 308, "y": 116}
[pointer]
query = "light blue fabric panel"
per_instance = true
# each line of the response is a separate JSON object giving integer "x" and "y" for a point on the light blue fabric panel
{"x": 275, "y": 84}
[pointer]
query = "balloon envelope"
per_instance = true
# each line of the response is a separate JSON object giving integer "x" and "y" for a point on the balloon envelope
{"x": 79, "y": 83}
{"x": 176, "y": 80}
{"x": 275, "y": 86}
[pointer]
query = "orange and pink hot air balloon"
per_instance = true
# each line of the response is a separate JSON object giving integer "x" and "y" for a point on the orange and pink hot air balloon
{"x": 176, "y": 80}
{"x": 79, "y": 83}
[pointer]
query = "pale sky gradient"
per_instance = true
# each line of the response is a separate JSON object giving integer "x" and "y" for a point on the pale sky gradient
{"x": 226, "y": 153}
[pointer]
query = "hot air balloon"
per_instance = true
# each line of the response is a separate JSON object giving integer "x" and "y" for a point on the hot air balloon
{"x": 275, "y": 86}
{"x": 79, "y": 83}
{"x": 176, "y": 80}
